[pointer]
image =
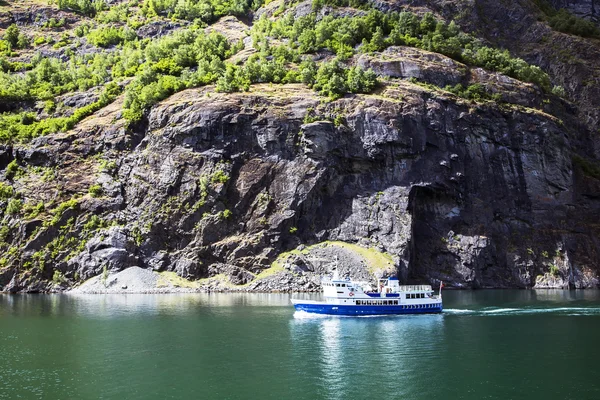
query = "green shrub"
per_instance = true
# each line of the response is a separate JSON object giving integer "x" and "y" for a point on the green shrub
{"x": 95, "y": 190}
{"x": 233, "y": 80}
{"x": 82, "y": 30}
{"x": 564, "y": 21}
{"x": 6, "y": 191}
{"x": 32, "y": 212}
{"x": 109, "y": 36}
{"x": 11, "y": 35}
{"x": 473, "y": 92}
{"x": 589, "y": 168}
{"x": 333, "y": 80}
{"x": 95, "y": 222}
{"x": 14, "y": 206}
{"x": 219, "y": 176}
{"x": 107, "y": 166}
{"x": 559, "y": 91}
{"x": 85, "y": 7}
{"x": 12, "y": 170}
{"x": 39, "y": 40}
{"x": 58, "y": 277}
{"x": 4, "y": 231}
{"x": 62, "y": 207}
{"x": 54, "y": 23}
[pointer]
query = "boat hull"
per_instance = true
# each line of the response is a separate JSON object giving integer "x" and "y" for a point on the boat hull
{"x": 340, "y": 309}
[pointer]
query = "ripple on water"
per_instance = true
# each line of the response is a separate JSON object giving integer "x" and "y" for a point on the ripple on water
{"x": 491, "y": 311}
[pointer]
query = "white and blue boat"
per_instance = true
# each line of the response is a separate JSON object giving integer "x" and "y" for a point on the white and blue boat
{"x": 345, "y": 297}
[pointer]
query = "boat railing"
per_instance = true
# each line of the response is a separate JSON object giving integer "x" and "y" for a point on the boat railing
{"x": 415, "y": 288}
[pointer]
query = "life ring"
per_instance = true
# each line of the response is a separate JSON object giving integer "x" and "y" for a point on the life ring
{"x": 351, "y": 294}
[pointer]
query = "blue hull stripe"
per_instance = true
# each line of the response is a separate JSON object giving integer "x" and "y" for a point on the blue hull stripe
{"x": 338, "y": 309}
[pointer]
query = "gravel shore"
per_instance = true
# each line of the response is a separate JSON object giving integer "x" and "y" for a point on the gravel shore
{"x": 130, "y": 280}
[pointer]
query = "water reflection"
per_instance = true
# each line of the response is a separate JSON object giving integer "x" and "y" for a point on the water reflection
{"x": 347, "y": 348}
{"x": 332, "y": 357}
{"x": 123, "y": 305}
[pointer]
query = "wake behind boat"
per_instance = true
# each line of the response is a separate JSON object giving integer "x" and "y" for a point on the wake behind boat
{"x": 345, "y": 297}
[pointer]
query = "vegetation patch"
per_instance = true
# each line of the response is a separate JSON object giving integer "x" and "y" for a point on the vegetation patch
{"x": 375, "y": 259}
{"x": 289, "y": 50}
{"x": 587, "y": 167}
{"x": 563, "y": 21}
{"x": 170, "y": 278}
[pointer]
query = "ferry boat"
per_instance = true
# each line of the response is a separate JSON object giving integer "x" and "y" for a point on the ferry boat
{"x": 345, "y": 297}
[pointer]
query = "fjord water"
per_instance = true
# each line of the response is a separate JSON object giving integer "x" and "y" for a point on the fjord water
{"x": 487, "y": 344}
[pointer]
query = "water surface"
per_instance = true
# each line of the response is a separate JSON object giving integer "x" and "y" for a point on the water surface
{"x": 487, "y": 344}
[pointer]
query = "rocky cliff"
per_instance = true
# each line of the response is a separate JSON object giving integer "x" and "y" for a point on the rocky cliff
{"x": 259, "y": 190}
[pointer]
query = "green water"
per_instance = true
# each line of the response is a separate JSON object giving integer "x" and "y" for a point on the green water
{"x": 487, "y": 344}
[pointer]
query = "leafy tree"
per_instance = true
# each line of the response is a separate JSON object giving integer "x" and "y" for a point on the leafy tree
{"x": 428, "y": 23}
{"x": 566, "y": 22}
{"x": 12, "y": 35}
{"x": 308, "y": 71}
{"x": 233, "y": 80}
{"x": 360, "y": 81}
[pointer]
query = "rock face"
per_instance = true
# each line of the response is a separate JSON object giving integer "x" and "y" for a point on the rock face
{"x": 217, "y": 186}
